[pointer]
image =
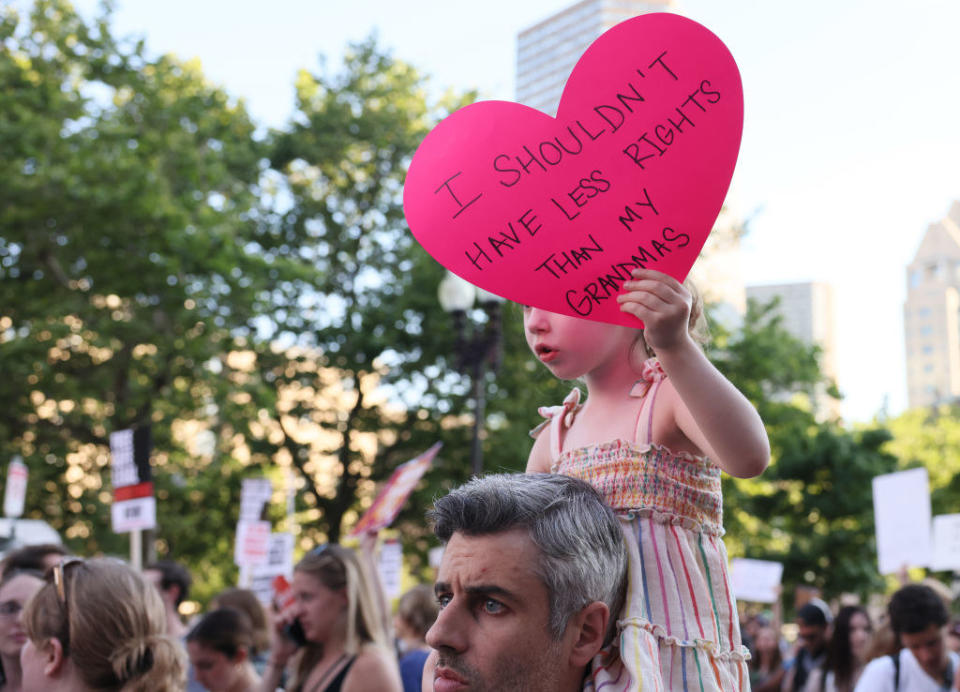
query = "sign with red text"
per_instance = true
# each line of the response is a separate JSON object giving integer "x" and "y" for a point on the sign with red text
{"x": 252, "y": 545}
{"x": 396, "y": 491}
{"x": 632, "y": 173}
{"x": 15, "y": 490}
{"x": 134, "y": 507}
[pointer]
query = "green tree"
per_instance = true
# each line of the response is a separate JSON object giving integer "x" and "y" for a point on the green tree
{"x": 128, "y": 213}
{"x": 812, "y": 509}
{"x": 930, "y": 437}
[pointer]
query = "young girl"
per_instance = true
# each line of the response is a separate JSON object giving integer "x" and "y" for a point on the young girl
{"x": 653, "y": 436}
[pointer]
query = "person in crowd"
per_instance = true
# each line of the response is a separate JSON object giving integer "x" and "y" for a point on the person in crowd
{"x": 533, "y": 567}
{"x": 17, "y": 587}
{"x": 172, "y": 581}
{"x": 219, "y": 647}
{"x": 846, "y": 653}
{"x": 416, "y": 613}
{"x": 659, "y": 425}
{"x": 953, "y": 636}
{"x": 813, "y": 634}
{"x": 98, "y": 625}
{"x": 38, "y": 558}
{"x": 766, "y": 663}
{"x": 918, "y": 617}
{"x": 246, "y": 602}
{"x": 345, "y": 645}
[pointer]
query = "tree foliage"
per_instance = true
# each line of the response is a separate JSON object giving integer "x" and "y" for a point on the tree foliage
{"x": 812, "y": 509}
{"x": 128, "y": 209}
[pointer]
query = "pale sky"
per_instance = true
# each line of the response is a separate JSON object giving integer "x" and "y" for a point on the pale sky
{"x": 851, "y": 141}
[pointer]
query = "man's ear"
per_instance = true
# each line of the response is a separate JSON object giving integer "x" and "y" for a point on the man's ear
{"x": 53, "y": 658}
{"x": 589, "y": 631}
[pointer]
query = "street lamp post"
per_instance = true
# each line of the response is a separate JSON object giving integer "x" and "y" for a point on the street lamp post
{"x": 477, "y": 346}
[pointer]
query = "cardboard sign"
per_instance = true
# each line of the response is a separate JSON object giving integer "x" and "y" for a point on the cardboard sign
{"x": 396, "y": 491}
{"x": 755, "y": 580}
{"x": 134, "y": 507}
{"x": 253, "y": 542}
{"x": 901, "y": 507}
{"x": 15, "y": 491}
{"x": 264, "y": 579}
{"x": 254, "y": 494}
{"x": 632, "y": 173}
{"x": 390, "y": 567}
{"x": 134, "y": 514}
{"x": 946, "y": 542}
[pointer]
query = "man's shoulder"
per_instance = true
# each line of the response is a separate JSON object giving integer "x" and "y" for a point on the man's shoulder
{"x": 877, "y": 676}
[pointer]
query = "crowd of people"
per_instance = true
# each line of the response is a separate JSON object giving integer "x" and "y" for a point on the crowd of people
{"x": 909, "y": 648}
{"x": 68, "y": 623}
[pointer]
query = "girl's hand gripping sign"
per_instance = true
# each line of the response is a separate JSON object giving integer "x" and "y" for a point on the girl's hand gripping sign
{"x": 633, "y": 171}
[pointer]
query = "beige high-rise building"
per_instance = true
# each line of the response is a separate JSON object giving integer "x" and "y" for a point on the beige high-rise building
{"x": 547, "y": 51}
{"x": 931, "y": 315}
{"x": 807, "y": 310}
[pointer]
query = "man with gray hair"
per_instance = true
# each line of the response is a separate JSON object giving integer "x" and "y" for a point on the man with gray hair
{"x": 533, "y": 567}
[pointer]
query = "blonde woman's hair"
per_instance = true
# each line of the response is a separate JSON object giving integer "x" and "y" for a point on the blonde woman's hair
{"x": 338, "y": 568}
{"x": 112, "y": 625}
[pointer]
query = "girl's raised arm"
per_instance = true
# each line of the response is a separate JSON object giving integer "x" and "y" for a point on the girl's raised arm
{"x": 707, "y": 408}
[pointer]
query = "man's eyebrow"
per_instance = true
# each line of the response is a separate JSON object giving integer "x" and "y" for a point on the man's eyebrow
{"x": 483, "y": 590}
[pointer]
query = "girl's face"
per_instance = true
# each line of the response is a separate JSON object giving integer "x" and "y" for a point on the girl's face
{"x": 572, "y": 347}
{"x": 13, "y": 597}
{"x": 214, "y": 669}
{"x": 860, "y": 632}
{"x": 321, "y": 610}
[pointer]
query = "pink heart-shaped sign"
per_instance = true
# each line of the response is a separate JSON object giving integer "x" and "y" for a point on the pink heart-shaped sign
{"x": 633, "y": 171}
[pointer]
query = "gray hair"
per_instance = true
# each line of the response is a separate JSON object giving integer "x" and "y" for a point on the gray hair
{"x": 582, "y": 553}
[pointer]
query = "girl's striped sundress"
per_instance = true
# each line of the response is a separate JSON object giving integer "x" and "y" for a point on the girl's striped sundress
{"x": 679, "y": 630}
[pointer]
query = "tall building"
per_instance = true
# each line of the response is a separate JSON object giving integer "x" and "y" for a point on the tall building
{"x": 547, "y": 52}
{"x": 931, "y": 315}
{"x": 807, "y": 311}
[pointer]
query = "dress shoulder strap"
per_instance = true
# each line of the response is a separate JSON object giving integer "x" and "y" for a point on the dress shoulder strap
{"x": 651, "y": 377}
{"x": 558, "y": 419}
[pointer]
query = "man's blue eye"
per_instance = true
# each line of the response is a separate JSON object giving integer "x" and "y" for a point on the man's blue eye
{"x": 493, "y": 607}
{"x": 442, "y": 601}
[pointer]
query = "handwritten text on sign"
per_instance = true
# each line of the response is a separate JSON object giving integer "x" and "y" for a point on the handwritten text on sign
{"x": 632, "y": 173}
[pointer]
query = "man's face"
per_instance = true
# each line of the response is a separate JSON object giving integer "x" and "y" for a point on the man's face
{"x": 492, "y": 632}
{"x": 929, "y": 649}
{"x": 812, "y": 637}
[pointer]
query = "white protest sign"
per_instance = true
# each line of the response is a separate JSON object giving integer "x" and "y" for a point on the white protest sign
{"x": 901, "y": 508}
{"x": 134, "y": 506}
{"x": 253, "y": 542}
{"x": 946, "y": 542}
{"x": 134, "y": 514}
{"x": 259, "y": 578}
{"x": 390, "y": 565}
{"x": 15, "y": 491}
{"x": 755, "y": 580}
{"x": 254, "y": 493}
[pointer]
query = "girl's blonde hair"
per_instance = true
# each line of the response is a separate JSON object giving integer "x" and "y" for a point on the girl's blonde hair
{"x": 696, "y": 325}
{"x": 111, "y": 623}
{"x": 338, "y": 568}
